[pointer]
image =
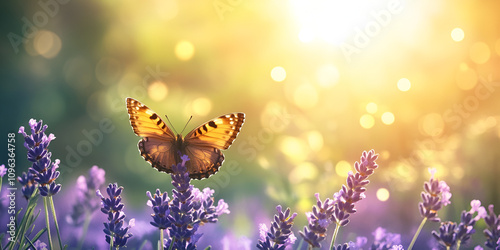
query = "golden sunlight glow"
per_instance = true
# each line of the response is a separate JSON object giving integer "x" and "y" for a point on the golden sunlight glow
{"x": 342, "y": 168}
{"x": 47, "y": 43}
{"x": 278, "y": 74}
{"x": 303, "y": 171}
{"x": 458, "y": 172}
{"x": 457, "y": 34}
{"x": 431, "y": 125}
{"x": 293, "y": 148}
{"x": 335, "y": 21}
{"x": 327, "y": 75}
{"x": 315, "y": 140}
{"x": 184, "y": 50}
{"x": 382, "y": 194}
{"x": 367, "y": 121}
{"x": 371, "y": 108}
{"x": 306, "y": 36}
{"x": 157, "y": 91}
{"x": 466, "y": 79}
{"x": 479, "y": 53}
{"x": 388, "y": 118}
{"x": 404, "y": 84}
{"x": 263, "y": 162}
{"x": 305, "y": 96}
{"x": 463, "y": 66}
{"x": 202, "y": 106}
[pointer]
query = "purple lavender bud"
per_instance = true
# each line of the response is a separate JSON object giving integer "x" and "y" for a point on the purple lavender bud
{"x": 344, "y": 246}
{"x": 113, "y": 207}
{"x": 159, "y": 203}
{"x": 28, "y": 182}
{"x": 446, "y": 236}
{"x": 280, "y": 234}
{"x": 436, "y": 195}
{"x": 345, "y": 199}
{"x": 319, "y": 220}
{"x": 492, "y": 232}
{"x": 43, "y": 170}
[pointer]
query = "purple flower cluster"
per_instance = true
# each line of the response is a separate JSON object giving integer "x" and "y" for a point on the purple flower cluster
{"x": 345, "y": 199}
{"x": 43, "y": 171}
{"x": 492, "y": 233}
{"x": 86, "y": 201}
{"x": 159, "y": 203}
{"x": 385, "y": 240}
{"x": 437, "y": 194}
{"x": 341, "y": 207}
{"x": 3, "y": 171}
{"x": 280, "y": 235}
{"x": 186, "y": 211}
{"x": 116, "y": 233}
{"x": 318, "y": 222}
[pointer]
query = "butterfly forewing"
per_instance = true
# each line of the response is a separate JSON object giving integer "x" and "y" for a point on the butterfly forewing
{"x": 146, "y": 123}
{"x": 219, "y": 132}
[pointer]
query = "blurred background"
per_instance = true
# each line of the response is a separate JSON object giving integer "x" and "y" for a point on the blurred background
{"x": 319, "y": 81}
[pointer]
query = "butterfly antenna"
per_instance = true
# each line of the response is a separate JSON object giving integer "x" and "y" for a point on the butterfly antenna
{"x": 186, "y": 124}
{"x": 171, "y": 125}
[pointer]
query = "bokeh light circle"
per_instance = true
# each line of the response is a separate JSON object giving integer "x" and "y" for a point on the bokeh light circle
{"x": 371, "y": 108}
{"x": 457, "y": 34}
{"x": 431, "y": 125}
{"x": 382, "y": 194}
{"x": 202, "y": 106}
{"x": 184, "y": 50}
{"x": 47, "y": 43}
{"x": 367, "y": 121}
{"x": 157, "y": 91}
{"x": 327, "y": 75}
{"x": 278, "y": 74}
{"x": 305, "y": 96}
{"x": 404, "y": 84}
{"x": 388, "y": 118}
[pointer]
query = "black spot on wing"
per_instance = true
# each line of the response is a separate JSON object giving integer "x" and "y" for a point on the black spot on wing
{"x": 212, "y": 124}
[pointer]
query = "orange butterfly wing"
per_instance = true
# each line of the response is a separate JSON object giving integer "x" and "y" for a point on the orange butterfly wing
{"x": 203, "y": 144}
{"x": 158, "y": 145}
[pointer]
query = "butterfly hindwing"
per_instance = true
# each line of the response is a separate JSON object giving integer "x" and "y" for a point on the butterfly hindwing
{"x": 204, "y": 161}
{"x": 160, "y": 154}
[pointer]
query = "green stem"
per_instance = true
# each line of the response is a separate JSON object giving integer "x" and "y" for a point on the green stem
{"x": 458, "y": 244}
{"x": 332, "y": 244}
{"x": 55, "y": 221}
{"x": 161, "y": 240}
{"x": 45, "y": 201}
{"x": 85, "y": 228}
{"x": 171, "y": 243}
{"x": 417, "y": 233}
{"x": 111, "y": 243}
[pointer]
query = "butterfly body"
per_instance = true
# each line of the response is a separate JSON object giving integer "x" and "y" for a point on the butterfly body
{"x": 203, "y": 145}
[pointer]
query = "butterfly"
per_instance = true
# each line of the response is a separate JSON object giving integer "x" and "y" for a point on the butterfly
{"x": 203, "y": 145}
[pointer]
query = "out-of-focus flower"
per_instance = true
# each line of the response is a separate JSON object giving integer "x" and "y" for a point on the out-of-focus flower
{"x": 492, "y": 232}
{"x": 280, "y": 234}
{"x": 3, "y": 170}
{"x": 44, "y": 171}
{"x": 112, "y": 206}
{"x": 344, "y": 246}
{"x": 86, "y": 201}
{"x": 452, "y": 235}
{"x": 384, "y": 240}
{"x": 39, "y": 245}
{"x": 436, "y": 195}
{"x": 359, "y": 244}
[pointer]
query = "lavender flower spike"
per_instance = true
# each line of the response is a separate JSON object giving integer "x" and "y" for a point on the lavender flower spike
{"x": 280, "y": 235}
{"x": 437, "y": 194}
{"x": 492, "y": 232}
{"x": 319, "y": 220}
{"x": 159, "y": 203}
{"x": 112, "y": 206}
{"x": 44, "y": 171}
